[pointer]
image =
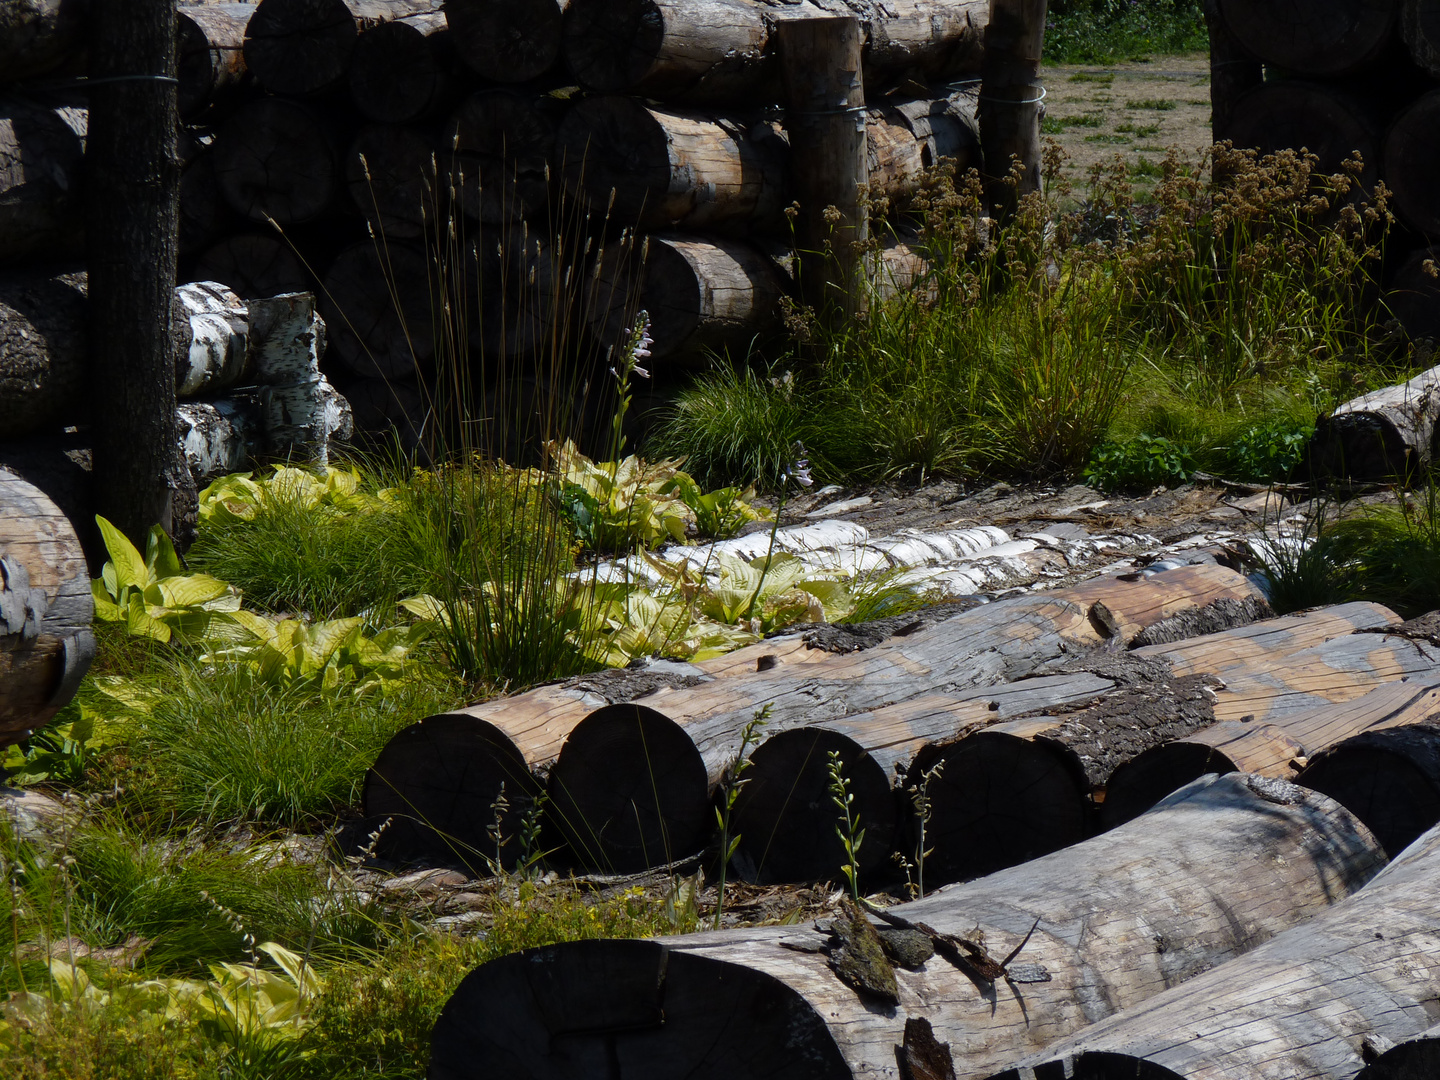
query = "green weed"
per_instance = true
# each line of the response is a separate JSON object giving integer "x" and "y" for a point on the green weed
{"x": 1108, "y": 31}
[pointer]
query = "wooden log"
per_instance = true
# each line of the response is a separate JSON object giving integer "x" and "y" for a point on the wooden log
{"x": 824, "y": 119}
{"x": 523, "y": 302}
{"x": 1302, "y": 1004}
{"x": 1409, "y": 160}
{"x": 205, "y": 216}
{"x": 403, "y": 70}
{"x": 42, "y": 353}
{"x": 499, "y": 145}
{"x": 1336, "y": 38}
{"x": 300, "y": 412}
{"x": 376, "y": 304}
{"x": 42, "y": 154}
{"x": 1233, "y": 71}
{"x": 508, "y": 41}
{"x": 253, "y": 265}
{"x": 1420, "y": 30}
{"x": 1010, "y": 99}
{"x": 1208, "y": 875}
{"x": 706, "y": 296}
{"x": 1414, "y": 295}
{"x": 1327, "y": 120}
{"x": 38, "y": 36}
{"x": 219, "y": 437}
{"x": 389, "y": 410}
{"x": 904, "y": 139}
{"x": 212, "y": 346}
{"x": 391, "y": 175}
{"x": 1389, "y": 779}
{"x": 1278, "y": 748}
{"x": 209, "y": 41}
{"x": 596, "y": 736}
{"x": 275, "y": 160}
{"x": 1413, "y": 1059}
{"x": 1381, "y": 435}
{"x": 45, "y": 610}
{"x": 723, "y": 52}
{"x": 305, "y": 47}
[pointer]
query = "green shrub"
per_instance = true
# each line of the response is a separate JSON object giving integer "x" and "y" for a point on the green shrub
{"x": 1107, "y": 31}
{"x": 1145, "y": 461}
{"x": 1267, "y": 452}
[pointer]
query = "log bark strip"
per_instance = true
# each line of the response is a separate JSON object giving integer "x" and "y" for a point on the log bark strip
{"x": 1302, "y": 1004}
{"x": 1409, "y": 160}
{"x": 210, "y": 39}
{"x": 1384, "y": 434}
{"x": 45, "y": 610}
{"x": 1210, "y": 874}
{"x": 509, "y": 41}
{"x": 1338, "y": 37}
{"x": 43, "y": 344}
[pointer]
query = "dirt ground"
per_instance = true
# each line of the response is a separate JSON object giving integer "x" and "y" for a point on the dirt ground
{"x": 1136, "y": 110}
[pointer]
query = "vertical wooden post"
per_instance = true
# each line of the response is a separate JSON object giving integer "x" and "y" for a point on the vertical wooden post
{"x": 132, "y": 241}
{"x": 1010, "y": 96}
{"x": 1233, "y": 71}
{"x": 825, "y": 117}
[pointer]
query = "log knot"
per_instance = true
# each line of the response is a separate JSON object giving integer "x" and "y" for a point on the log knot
{"x": 22, "y": 607}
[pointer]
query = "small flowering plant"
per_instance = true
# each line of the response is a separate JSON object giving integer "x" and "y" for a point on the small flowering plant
{"x": 636, "y": 348}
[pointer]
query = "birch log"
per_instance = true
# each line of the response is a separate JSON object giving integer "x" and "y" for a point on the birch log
{"x": 38, "y": 36}
{"x": 390, "y": 172}
{"x": 300, "y": 412}
{"x": 219, "y": 437}
{"x": 253, "y": 265}
{"x": 42, "y": 153}
{"x": 1211, "y": 873}
{"x": 509, "y": 41}
{"x": 1389, "y": 779}
{"x": 275, "y": 159}
{"x": 1409, "y": 160}
{"x": 212, "y": 339}
{"x": 1386, "y": 433}
{"x": 1302, "y": 1004}
{"x": 45, "y": 610}
{"x": 403, "y": 70}
{"x": 210, "y": 39}
{"x": 1339, "y": 37}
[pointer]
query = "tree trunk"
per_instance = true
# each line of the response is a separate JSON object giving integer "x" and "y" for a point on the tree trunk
{"x": 1326, "y": 120}
{"x": 500, "y": 144}
{"x": 253, "y": 265}
{"x": 825, "y": 122}
{"x": 1414, "y": 295}
{"x": 1410, "y": 160}
{"x": 391, "y": 175}
{"x": 507, "y": 41}
{"x": 45, "y": 610}
{"x": 368, "y": 333}
{"x": 211, "y": 61}
{"x": 277, "y": 160}
{"x": 304, "y": 47}
{"x": 1279, "y": 748}
{"x": 723, "y": 51}
{"x": 38, "y": 36}
{"x": 133, "y": 180}
{"x": 704, "y": 296}
{"x": 1213, "y": 872}
{"x": 1233, "y": 71}
{"x": 1389, "y": 779}
{"x": 1338, "y": 37}
{"x": 1420, "y": 28}
{"x": 1010, "y": 96}
{"x": 632, "y": 756}
{"x": 42, "y": 180}
{"x": 219, "y": 437}
{"x": 1382, "y": 435}
{"x": 43, "y": 373}
{"x": 1413, "y": 1059}
{"x": 1302, "y": 1004}
{"x": 404, "y": 71}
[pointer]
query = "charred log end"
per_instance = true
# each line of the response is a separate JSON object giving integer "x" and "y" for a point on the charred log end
{"x": 300, "y": 46}
{"x": 394, "y": 74}
{"x": 1388, "y": 779}
{"x": 1338, "y": 37}
{"x": 1359, "y": 446}
{"x": 786, "y": 816}
{"x": 511, "y": 41}
{"x": 629, "y": 790}
{"x": 1411, "y": 158}
{"x": 611, "y": 45}
{"x": 438, "y": 785}
{"x": 999, "y": 800}
{"x": 631, "y": 1008}
{"x": 1140, "y": 783}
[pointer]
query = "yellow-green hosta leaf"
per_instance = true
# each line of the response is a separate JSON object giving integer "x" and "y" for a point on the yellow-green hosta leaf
{"x": 160, "y": 558}
{"x": 128, "y": 563}
{"x": 257, "y": 625}
{"x": 141, "y": 623}
{"x": 833, "y": 595}
{"x": 189, "y": 590}
{"x": 321, "y": 641}
{"x": 106, "y": 609}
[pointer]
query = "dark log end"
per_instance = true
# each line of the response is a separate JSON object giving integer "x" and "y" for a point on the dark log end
{"x": 1414, "y": 296}
{"x": 437, "y": 784}
{"x": 390, "y": 172}
{"x": 611, "y": 45}
{"x": 508, "y": 41}
{"x": 395, "y": 74}
{"x": 786, "y": 817}
{"x": 377, "y": 305}
{"x": 1411, "y": 162}
{"x": 299, "y": 46}
{"x": 614, "y": 145}
{"x": 1140, "y": 783}
{"x": 628, "y": 1008}
{"x": 253, "y": 265}
{"x": 499, "y": 144}
{"x": 1333, "y": 37}
{"x": 275, "y": 160}
{"x": 1389, "y": 779}
{"x": 1360, "y": 446}
{"x": 629, "y": 790}
{"x": 1313, "y": 116}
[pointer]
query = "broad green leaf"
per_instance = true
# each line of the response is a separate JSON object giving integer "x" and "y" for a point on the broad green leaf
{"x": 141, "y": 623}
{"x": 160, "y": 558}
{"x": 129, "y": 565}
{"x": 190, "y": 590}
{"x": 106, "y": 610}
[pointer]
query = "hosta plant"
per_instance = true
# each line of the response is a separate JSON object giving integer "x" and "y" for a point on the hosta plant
{"x": 153, "y": 595}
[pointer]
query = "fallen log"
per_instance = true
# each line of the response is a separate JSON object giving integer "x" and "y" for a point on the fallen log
{"x": 1279, "y": 748}
{"x": 631, "y": 756}
{"x": 1302, "y": 1004}
{"x": 42, "y": 152}
{"x": 1414, "y": 296}
{"x": 377, "y": 306}
{"x": 1389, "y": 779}
{"x": 1380, "y": 435}
{"x": 1211, "y": 873}
{"x": 38, "y": 36}
{"x": 705, "y": 296}
{"x": 508, "y": 41}
{"x": 722, "y": 51}
{"x": 275, "y": 160}
{"x": 253, "y": 265}
{"x": 403, "y": 71}
{"x": 1336, "y": 38}
{"x": 1413, "y": 1059}
{"x": 304, "y": 47}
{"x": 1326, "y": 120}
{"x": 209, "y": 42}
{"x": 499, "y": 145}
{"x": 390, "y": 172}
{"x": 1409, "y": 160}
{"x": 45, "y": 610}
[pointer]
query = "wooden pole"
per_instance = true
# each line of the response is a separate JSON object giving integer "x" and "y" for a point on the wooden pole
{"x": 825, "y": 117}
{"x": 132, "y": 233}
{"x": 1010, "y": 95}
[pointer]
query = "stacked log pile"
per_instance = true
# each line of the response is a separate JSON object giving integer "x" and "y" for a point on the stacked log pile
{"x": 1336, "y": 80}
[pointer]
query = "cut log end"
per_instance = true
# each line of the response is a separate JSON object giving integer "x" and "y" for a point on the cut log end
{"x": 611, "y": 45}
{"x": 1411, "y": 159}
{"x": 1142, "y": 782}
{"x": 508, "y": 41}
{"x": 629, "y": 790}
{"x": 1294, "y": 115}
{"x": 434, "y": 792}
{"x": 1389, "y": 779}
{"x": 1337, "y": 37}
{"x": 785, "y": 815}
{"x": 274, "y": 160}
{"x": 253, "y": 265}
{"x": 300, "y": 46}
